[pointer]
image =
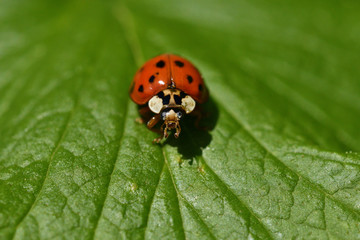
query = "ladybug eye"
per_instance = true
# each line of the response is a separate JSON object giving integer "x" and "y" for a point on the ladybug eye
{"x": 163, "y": 115}
{"x": 188, "y": 104}
{"x": 179, "y": 114}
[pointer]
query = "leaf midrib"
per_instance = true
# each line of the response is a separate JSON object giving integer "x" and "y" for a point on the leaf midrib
{"x": 177, "y": 192}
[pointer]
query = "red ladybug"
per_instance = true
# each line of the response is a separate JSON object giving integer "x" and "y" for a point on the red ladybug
{"x": 168, "y": 87}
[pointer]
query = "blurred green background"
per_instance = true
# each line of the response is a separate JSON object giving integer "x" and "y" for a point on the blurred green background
{"x": 280, "y": 163}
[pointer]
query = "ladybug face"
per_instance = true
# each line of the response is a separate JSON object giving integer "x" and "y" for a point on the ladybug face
{"x": 171, "y": 87}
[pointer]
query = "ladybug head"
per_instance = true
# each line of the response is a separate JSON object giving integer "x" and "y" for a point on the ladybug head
{"x": 172, "y": 104}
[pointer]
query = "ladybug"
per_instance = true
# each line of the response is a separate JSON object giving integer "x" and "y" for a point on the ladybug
{"x": 166, "y": 88}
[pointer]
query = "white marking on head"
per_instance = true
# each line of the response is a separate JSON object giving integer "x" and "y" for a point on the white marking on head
{"x": 171, "y": 114}
{"x": 188, "y": 103}
{"x": 155, "y": 104}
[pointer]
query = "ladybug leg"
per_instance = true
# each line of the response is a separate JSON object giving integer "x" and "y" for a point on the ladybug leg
{"x": 178, "y": 130}
{"x": 153, "y": 121}
{"x": 162, "y": 133}
{"x": 166, "y": 128}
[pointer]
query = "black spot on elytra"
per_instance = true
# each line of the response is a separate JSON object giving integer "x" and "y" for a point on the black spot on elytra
{"x": 189, "y": 78}
{"x": 166, "y": 100}
{"x": 179, "y": 63}
{"x": 177, "y": 99}
{"x": 160, "y": 64}
{"x": 151, "y": 79}
{"x": 160, "y": 94}
{"x": 157, "y": 73}
{"x": 200, "y": 87}
{"x": 141, "y": 88}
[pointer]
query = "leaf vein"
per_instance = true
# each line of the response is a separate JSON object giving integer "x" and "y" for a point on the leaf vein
{"x": 234, "y": 196}
{"x": 152, "y": 199}
{"x": 198, "y": 217}
{"x": 57, "y": 146}
{"x": 314, "y": 185}
{"x": 177, "y": 192}
{"x": 113, "y": 168}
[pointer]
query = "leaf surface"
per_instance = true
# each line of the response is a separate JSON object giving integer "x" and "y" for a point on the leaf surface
{"x": 280, "y": 161}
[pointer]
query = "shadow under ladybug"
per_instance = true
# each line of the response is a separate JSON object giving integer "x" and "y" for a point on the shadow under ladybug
{"x": 194, "y": 129}
{"x": 195, "y": 138}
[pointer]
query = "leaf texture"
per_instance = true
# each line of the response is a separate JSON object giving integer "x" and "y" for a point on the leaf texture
{"x": 281, "y": 159}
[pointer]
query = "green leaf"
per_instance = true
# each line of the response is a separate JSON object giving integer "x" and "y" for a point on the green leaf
{"x": 280, "y": 161}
